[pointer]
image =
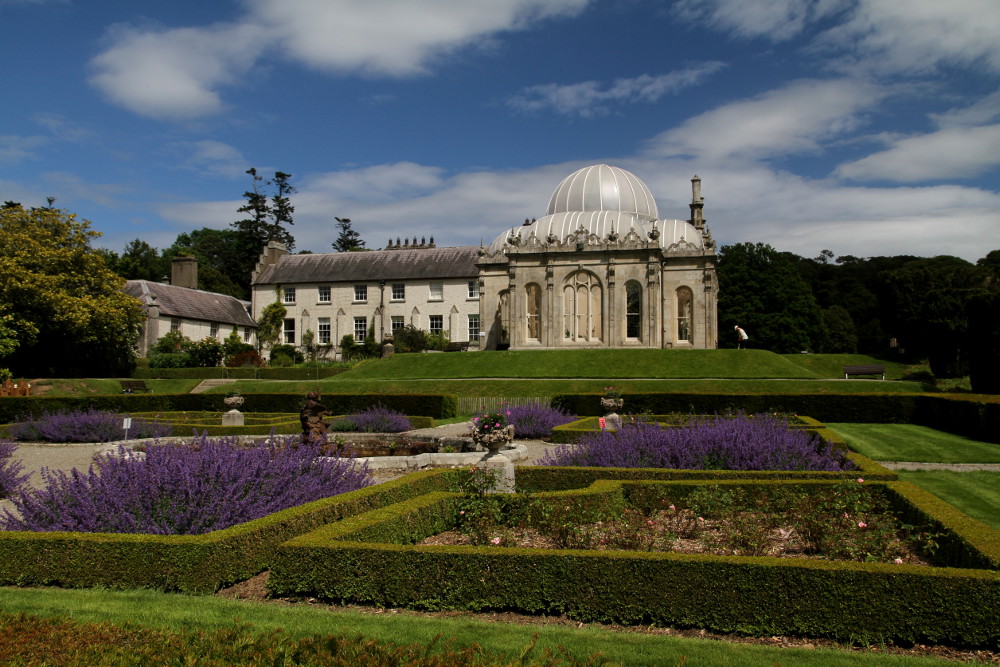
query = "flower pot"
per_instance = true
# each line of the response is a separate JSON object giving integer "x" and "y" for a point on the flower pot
{"x": 612, "y": 404}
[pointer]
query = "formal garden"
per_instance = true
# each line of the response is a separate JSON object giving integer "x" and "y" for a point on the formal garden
{"x": 762, "y": 514}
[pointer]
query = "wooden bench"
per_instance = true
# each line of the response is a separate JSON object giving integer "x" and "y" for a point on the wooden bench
{"x": 457, "y": 347}
{"x": 132, "y": 386}
{"x": 864, "y": 369}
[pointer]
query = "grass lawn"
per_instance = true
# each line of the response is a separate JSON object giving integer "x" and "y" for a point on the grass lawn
{"x": 105, "y": 386}
{"x": 908, "y": 442}
{"x": 604, "y": 364}
{"x": 975, "y": 493}
{"x": 342, "y": 384}
{"x": 191, "y": 612}
{"x": 832, "y": 365}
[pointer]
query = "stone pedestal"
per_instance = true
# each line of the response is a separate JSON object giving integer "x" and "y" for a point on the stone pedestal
{"x": 232, "y": 418}
{"x": 504, "y": 469}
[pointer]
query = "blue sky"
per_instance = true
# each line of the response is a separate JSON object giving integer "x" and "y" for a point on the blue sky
{"x": 868, "y": 127}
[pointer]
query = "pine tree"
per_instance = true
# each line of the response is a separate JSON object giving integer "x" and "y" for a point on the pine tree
{"x": 349, "y": 240}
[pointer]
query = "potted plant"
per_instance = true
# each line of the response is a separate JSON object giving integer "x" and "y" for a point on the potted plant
{"x": 233, "y": 400}
{"x": 492, "y": 431}
{"x": 612, "y": 399}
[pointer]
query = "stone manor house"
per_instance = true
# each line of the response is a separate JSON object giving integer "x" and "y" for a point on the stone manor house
{"x": 600, "y": 269}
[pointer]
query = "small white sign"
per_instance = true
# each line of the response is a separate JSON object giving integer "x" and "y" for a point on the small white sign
{"x": 127, "y": 423}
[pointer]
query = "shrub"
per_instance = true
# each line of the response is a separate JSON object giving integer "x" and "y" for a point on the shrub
{"x": 536, "y": 420}
{"x": 735, "y": 442}
{"x": 172, "y": 342}
{"x": 184, "y": 489}
{"x": 286, "y": 355}
{"x": 207, "y": 352}
{"x": 379, "y": 419}
{"x": 171, "y": 360}
{"x": 409, "y": 339}
{"x": 12, "y": 474}
{"x": 84, "y": 426}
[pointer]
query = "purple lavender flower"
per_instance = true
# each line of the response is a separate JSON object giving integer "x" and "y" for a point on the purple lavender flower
{"x": 84, "y": 426}
{"x": 379, "y": 419}
{"x": 736, "y": 442}
{"x": 184, "y": 489}
{"x": 12, "y": 475}
{"x": 536, "y": 420}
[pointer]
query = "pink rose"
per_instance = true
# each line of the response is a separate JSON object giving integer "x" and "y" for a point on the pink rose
{"x": 862, "y": 524}
{"x": 672, "y": 508}
{"x": 898, "y": 561}
{"x": 495, "y": 540}
{"x": 860, "y": 481}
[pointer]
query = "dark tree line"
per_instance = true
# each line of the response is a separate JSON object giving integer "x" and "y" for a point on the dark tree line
{"x": 934, "y": 308}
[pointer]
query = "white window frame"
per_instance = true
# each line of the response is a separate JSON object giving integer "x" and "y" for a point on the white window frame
{"x": 398, "y": 292}
{"x": 396, "y": 322}
{"x": 435, "y": 291}
{"x": 361, "y": 293}
{"x": 440, "y": 324}
{"x": 175, "y": 324}
{"x": 288, "y": 331}
{"x": 360, "y": 328}
{"x": 213, "y": 330}
{"x": 323, "y": 330}
{"x": 323, "y": 293}
{"x": 473, "y": 289}
{"x": 288, "y": 295}
{"x": 474, "y": 327}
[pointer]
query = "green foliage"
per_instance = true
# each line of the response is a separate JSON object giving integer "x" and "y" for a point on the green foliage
{"x": 983, "y": 313}
{"x": 207, "y": 352}
{"x": 220, "y": 265}
{"x": 348, "y": 240}
{"x": 140, "y": 261}
{"x": 233, "y": 346}
{"x": 172, "y": 342}
{"x": 286, "y": 355}
{"x": 271, "y": 320}
{"x": 410, "y": 339}
{"x": 59, "y": 300}
{"x": 840, "y": 333}
{"x": 171, "y": 360}
{"x": 762, "y": 291}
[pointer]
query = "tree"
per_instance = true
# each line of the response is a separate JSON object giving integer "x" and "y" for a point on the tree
{"x": 265, "y": 220}
{"x": 349, "y": 240}
{"x": 761, "y": 290}
{"x": 983, "y": 313}
{"x": 141, "y": 261}
{"x": 840, "y": 332}
{"x": 66, "y": 307}
{"x": 221, "y": 267}
{"x": 271, "y": 322}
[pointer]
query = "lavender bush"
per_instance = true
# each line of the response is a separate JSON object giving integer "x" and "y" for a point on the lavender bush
{"x": 377, "y": 419}
{"x": 12, "y": 474}
{"x": 187, "y": 489}
{"x": 84, "y": 426}
{"x": 536, "y": 420}
{"x": 737, "y": 442}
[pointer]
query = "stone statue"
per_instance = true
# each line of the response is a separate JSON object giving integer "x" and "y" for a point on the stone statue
{"x": 311, "y": 418}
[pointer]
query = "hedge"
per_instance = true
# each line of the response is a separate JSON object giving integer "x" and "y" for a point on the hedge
{"x": 188, "y": 563}
{"x": 976, "y": 416}
{"x": 241, "y": 373}
{"x": 760, "y": 596}
{"x": 438, "y": 406}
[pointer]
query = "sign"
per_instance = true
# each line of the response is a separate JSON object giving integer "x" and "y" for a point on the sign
{"x": 127, "y": 423}
{"x": 603, "y": 422}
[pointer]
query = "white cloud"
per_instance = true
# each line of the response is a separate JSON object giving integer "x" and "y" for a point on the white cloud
{"x": 214, "y": 158}
{"x": 776, "y": 20}
{"x": 394, "y": 37}
{"x": 587, "y": 98}
{"x": 176, "y": 74}
{"x": 793, "y": 119}
{"x": 14, "y": 148}
{"x": 979, "y": 113}
{"x": 380, "y": 183}
{"x": 920, "y": 35}
{"x": 173, "y": 74}
{"x": 950, "y": 153}
{"x": 72, "y": 188}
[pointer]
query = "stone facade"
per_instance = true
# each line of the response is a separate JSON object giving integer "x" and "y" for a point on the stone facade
{"x": 599, "y": 270}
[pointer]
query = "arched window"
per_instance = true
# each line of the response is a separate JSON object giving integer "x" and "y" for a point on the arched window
{"x": 582, "y": 304}
{"x": 685, "y": 323}
{"x": 533, "y": 303}
{"x": 633, "y": 309}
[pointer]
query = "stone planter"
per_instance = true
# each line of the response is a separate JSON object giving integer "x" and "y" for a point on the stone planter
{"x": 612, "y": 404}
{"x": 234, "y": 417}
{"x": 494, "y": 440}
{"x": 612, "y": 422}
{"x": 234, "y": 402}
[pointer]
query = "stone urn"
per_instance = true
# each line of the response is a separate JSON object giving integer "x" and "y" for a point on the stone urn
{"x": 234, "y": 417}
{"x": 494, "y": 440}
{"x": 612, "y": 420}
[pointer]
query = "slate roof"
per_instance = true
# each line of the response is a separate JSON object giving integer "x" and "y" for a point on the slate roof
{"x": 192, "y": 304}
{"x": 426, "y": 263}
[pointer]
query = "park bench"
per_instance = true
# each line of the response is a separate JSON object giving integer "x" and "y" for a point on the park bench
{"x": 457, "y": 347}
{"x": 864, "y": 369}
{"x": 132, "y": 386}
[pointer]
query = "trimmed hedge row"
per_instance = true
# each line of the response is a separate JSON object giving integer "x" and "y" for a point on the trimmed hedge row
{"x": 287, "y": 424}
{"x": 438, "y": 406}
{"x": 973, "y": 416}
{"x": 188, "y": 563}
{"x": 572, "y": 431}
{"x": 265, "y": 373}
{"x": 766, "y": 595}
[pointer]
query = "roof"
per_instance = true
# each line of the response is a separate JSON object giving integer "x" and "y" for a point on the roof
{"x": 191, "y": 304}
{"x": 603, "y": 187}
{"x": 425, "y": 263}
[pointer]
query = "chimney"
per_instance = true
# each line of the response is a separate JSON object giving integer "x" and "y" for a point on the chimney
{"x": 697, "y": 204}
{"x": 184, "y": 272}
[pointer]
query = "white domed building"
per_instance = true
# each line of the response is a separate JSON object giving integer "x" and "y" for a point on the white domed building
{"x": 601, "y": 269}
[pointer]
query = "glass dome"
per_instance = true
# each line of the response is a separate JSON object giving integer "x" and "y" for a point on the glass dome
{"x": 602, "y": 187}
